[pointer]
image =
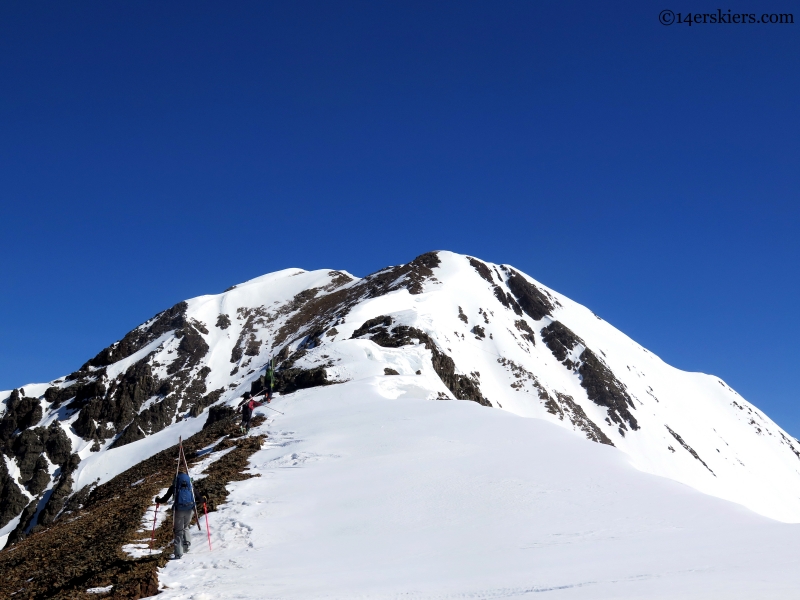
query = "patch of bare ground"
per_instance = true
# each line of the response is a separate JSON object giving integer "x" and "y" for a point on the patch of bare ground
{"x": 82, "y": 549}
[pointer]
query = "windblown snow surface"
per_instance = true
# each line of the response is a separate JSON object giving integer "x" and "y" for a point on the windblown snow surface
{"x": 586, "y": 467}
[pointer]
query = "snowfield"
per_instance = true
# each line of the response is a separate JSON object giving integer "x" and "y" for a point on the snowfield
{"x": 368, "y": 490}
{"x": 452, "y": 429}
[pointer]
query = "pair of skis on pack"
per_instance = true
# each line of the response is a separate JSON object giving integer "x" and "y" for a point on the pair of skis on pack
{"x": 182, "y": 455}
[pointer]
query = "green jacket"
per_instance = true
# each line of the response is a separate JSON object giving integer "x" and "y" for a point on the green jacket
{"x": 269, "y": 378}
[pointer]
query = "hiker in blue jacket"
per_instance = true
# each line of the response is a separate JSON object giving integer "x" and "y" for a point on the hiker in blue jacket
{"x": 183, "y": 509}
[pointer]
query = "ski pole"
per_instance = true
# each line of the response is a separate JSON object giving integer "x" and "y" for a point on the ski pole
{"x": 277, "y": 411}
{"x": 208, "y": 531}
{"x": 153, "y": 535}
{"x": 269, "y": 407}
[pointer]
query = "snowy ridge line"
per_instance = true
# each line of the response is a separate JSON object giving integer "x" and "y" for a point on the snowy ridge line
{"x": 444, "y": 326}
{"x": 390, "y": 495}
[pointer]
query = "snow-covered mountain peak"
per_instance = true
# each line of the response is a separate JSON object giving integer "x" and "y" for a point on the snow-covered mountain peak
{"x": 442, "y": 327}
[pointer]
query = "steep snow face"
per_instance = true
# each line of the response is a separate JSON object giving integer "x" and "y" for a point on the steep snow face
{"x": 447, "y": 326}
{"x": 689, "y": 427}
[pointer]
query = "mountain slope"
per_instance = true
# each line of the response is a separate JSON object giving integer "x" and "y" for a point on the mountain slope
{"x": 459, "y": 328}
{"x": 366, "y": 490}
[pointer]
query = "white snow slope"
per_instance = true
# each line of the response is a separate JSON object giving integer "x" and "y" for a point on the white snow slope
{"x": 375, "y": 488}
{"x": 368, "y": 490}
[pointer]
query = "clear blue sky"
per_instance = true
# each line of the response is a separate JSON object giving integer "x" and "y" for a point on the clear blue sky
{"x": 155, "y": 151}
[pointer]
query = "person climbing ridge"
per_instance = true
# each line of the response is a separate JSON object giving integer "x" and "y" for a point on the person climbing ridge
{"x": 248, "y": 405}
{"x": 183, "y": 509}
{"x": 269, "y": 380}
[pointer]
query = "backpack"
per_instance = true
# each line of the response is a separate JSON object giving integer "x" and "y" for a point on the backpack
{"x": 184, "y": 499}
{"x": 247, "y": 412}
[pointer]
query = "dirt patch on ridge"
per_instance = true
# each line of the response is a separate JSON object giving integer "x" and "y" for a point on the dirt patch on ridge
{"x": 83, "y": 547}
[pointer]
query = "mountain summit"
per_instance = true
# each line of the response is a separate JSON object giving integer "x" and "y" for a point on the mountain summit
{"x": 444, "y": 327}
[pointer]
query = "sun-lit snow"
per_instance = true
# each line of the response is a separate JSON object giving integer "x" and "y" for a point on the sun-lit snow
{"x": 376, "y": 487}
{"x": 368, "y": 490}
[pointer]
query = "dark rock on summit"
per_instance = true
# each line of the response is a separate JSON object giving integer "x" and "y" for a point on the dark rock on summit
{"x": 28, "y": 447}
{"x": 57, "y": 444}
{"x": 40, "y": 478}
{"x": 531, "y": 299}
{"x": 378, "y": 330}
{"x": 190, "y": 351}
{"x": 482, "y": 269}
{"x": 601, "y": 386}
{"x": 168, "y": 320}
{"x": 505, "y": 299}
{"x": 223, "y": 321}
{"x": 560, "y": 339}
{"x": 604, "y": 389}
{"x": 21, "y": 413}
{"x": 410, "y": 276}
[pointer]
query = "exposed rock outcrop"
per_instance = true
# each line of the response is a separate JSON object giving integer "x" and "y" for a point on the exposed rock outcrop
{"x": 689, "y": 449}
{"x": 533, "y": 301}
{"x": 561, "y": 405}
{"x": 168, "y": 320}
{"x": 21, "y": 413}
{"x": 504, "y": 297}
{"x": 380, "y": 331}
{"x": 27, "y": 448}
{"x": 12, "y": 500}
{"x": 601, "y": 386}
{"x": 83, "y": 548}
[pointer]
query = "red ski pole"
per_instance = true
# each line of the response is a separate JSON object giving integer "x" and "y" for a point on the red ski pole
{"x": 208, "y": 531}
{"x": 153, "y": 535}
